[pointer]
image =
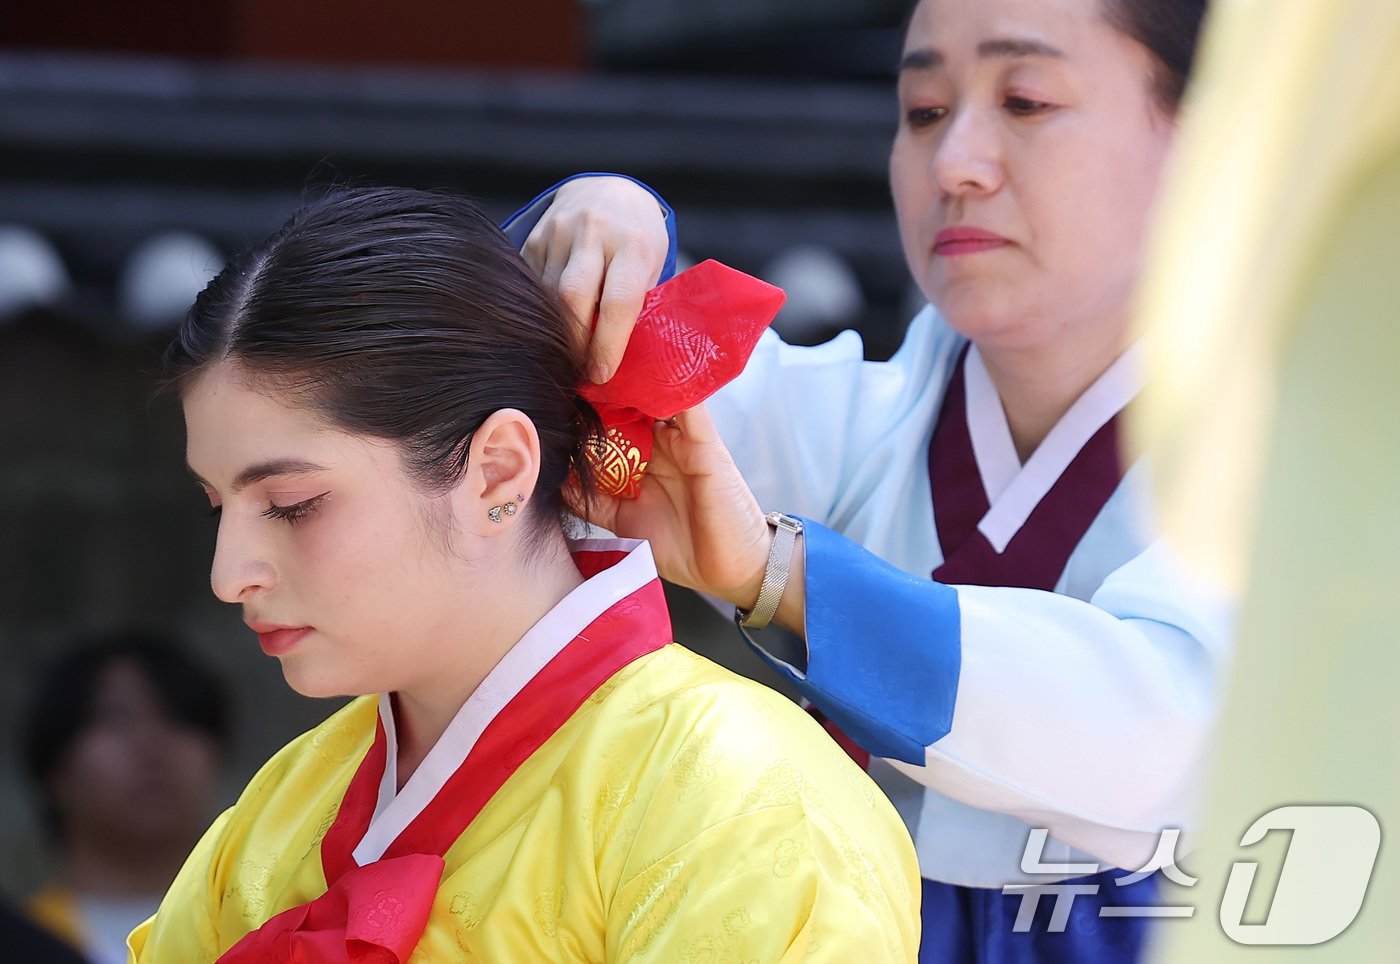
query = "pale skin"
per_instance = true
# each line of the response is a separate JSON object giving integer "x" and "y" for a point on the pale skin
{"x": 413, "y": 593}
{"x": 1033, "y": 122}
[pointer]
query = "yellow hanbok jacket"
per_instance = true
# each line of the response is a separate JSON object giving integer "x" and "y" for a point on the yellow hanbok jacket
{"x": 677, "y": 813}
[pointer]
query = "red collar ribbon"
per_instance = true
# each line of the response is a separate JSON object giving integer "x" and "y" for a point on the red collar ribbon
{"x": 694, "y": 336}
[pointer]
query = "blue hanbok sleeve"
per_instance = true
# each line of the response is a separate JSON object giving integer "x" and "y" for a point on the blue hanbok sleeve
{"x": 894, "y": 694}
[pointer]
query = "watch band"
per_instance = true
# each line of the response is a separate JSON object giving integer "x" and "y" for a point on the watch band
{"x": 775, "y": 576}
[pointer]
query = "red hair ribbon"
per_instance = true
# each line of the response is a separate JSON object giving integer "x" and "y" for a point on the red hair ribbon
{"x": 694, "y": 336}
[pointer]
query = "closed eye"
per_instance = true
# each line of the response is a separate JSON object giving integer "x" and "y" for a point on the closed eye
{"x": 296, "y": 512}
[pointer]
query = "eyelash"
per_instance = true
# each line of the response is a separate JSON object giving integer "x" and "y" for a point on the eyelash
{"x": 287, "y": 513}
{"x": 1025, "y": 107}
{"x": 293, "y": 514}
{"x": 918, "y": 117}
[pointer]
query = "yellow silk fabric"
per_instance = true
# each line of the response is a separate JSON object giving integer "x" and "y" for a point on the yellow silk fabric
{"x": 682, "y": 814}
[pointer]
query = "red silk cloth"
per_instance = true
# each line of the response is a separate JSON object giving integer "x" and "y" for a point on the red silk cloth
{"x": 375, "y": 914}
{"x": 694, "y": 335}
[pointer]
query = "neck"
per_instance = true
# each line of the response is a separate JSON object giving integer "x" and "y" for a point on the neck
{"x": 1038, "y": 384}
{"x": 422, "y": 712}
{"x": 104, "y": 865}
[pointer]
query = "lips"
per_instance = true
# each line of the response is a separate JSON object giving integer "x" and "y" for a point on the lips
{"x": 951, "y": 242}
{"x": 278, "y": 640}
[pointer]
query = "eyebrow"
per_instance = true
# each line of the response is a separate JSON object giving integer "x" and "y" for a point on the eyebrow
{"x": 927, "y": 58}
{"x": 263, "y": 471}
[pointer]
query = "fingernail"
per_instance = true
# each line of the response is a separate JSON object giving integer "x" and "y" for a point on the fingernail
{"x": 598, "y": 372}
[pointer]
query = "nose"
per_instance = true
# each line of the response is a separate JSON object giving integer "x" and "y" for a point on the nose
{"x": 968, "y": 158}
{"x": 242, "y": 565}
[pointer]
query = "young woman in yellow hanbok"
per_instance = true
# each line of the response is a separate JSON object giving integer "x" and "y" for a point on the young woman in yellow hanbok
{"x": 381, "y": 405}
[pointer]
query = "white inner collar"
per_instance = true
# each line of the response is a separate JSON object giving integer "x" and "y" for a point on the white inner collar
{"x": 394, "y": 811}
{"x": 1014, "y": 490}
{"x": 992, "y": 445}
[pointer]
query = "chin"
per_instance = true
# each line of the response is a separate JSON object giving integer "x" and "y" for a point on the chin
{"x": 980, "y": 324}
{"x": 320, "y": 685}
{"x": 984, "y": 311}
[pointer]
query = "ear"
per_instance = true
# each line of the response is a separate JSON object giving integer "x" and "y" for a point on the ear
{"x": 503, "y": 464}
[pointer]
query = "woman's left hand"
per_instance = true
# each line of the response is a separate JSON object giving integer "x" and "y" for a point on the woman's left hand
{"x": 705, "y": 527}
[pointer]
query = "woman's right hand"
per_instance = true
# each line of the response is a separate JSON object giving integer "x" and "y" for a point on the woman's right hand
{"x": 600, "y": 246}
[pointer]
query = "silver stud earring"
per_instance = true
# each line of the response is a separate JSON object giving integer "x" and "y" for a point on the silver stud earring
{"x": 520, "y": 499}
{"x": 510, "y": 508}
{"x": 494, "y": 513}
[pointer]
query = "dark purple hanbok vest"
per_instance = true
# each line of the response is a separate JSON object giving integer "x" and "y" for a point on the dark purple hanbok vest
{"x": 1036, "y": 556}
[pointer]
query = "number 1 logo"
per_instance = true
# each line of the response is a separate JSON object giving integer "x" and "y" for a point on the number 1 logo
{"x": 1325, "y": 875}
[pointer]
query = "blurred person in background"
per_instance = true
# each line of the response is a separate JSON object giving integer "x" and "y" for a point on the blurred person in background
{"x": 124, "y": 741}
{"x": 1059, "y": 671}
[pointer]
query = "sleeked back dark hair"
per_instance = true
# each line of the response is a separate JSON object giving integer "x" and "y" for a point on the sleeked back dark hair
{"x": 403, "y": 315}
{"x": 1170, "y": 29}
{"x": 66, "y": 699}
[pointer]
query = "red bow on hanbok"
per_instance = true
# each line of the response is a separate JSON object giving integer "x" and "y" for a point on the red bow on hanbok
{"x": 373, "y": 914}
{"x": 694, "y": 335}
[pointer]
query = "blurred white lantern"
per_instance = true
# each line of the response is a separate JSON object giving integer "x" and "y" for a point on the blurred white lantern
{"x": 31, "y": 271}
{"x": 162, "y": 277}
{"x": 823, "y": 293}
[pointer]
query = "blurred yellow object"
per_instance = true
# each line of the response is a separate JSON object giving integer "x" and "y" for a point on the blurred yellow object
{"x": 55, "y": 908}
{"x": 1273, "y": 308}
{"x": 1295, "y": 110}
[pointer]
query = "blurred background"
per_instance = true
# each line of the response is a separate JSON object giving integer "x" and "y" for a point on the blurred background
{"x": 141, "y": 143}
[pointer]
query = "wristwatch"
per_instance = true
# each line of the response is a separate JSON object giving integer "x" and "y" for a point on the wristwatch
{"x": 775, "y": 576}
